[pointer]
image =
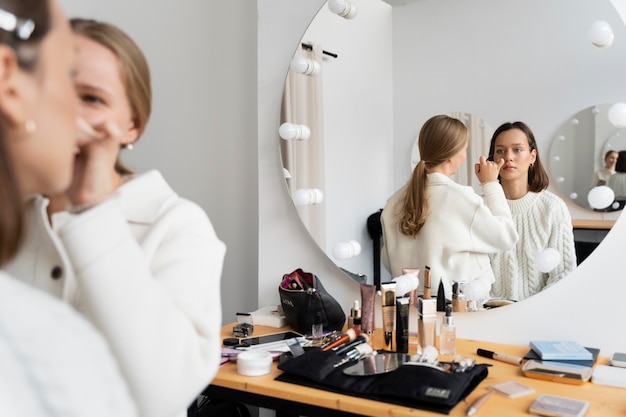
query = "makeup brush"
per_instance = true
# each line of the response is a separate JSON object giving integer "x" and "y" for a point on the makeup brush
{"x": 347, "y": 337}
{"x": 360, "y": 339}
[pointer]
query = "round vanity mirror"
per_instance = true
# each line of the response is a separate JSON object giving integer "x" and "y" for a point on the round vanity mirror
{"x": 385, "y": 71}
{"x": 578, "y": 151}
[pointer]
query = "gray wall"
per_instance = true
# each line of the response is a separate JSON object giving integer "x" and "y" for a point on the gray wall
{"x": 203, "y": 129}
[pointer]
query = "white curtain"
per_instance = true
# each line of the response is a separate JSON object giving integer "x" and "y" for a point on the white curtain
{"x": 304, "y": 159}
{"x": 479, "y": 138}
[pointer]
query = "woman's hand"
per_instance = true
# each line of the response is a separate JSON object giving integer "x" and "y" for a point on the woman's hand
{"x": 94, "y": 177}
{"x": 487, "y": 171}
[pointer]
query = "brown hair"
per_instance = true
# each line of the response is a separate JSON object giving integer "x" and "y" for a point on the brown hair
{"x": 620, "y": 165}
{"x": 538, "y": 179}
{"x": 135, "y": 72}
{"x": 440, "y": 138}
{"x": 11, "y": 198}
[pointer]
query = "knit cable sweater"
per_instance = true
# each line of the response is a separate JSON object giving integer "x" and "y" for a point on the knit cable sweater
{"x": 542, "y": 221}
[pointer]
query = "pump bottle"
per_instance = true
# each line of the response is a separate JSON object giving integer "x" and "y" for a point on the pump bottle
{"x": 447, "y": 337}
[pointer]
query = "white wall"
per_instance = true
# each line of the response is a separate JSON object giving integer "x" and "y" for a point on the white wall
{"x": 576, "y": 307}
{"x": 202, "y": 133}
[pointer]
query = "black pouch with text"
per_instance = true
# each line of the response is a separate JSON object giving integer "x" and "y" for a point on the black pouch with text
{"x": 412, "y": 386}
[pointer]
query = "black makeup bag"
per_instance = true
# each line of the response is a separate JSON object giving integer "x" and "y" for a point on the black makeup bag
{"x": 305, "y": 301}
{"x": 412, "y": 386}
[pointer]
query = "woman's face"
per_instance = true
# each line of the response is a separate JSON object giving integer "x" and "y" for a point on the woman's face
{"x": 44, "y": 155}
{"x": 100, "y": 89}
{"x": 610, "y": 161}
{"x": 512, "y": 147}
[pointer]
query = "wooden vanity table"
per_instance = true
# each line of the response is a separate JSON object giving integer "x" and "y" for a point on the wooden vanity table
{"x": 293, "y": 400}
{"x": 588, "y": 234}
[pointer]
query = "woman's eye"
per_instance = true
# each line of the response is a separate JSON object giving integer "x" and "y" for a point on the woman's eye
{"x": 499, "y": 152}
{"x": 87, "y": 98}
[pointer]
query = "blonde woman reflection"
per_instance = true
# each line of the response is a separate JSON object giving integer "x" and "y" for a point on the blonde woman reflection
{"x": 54, "y": 364}
{"x": 433, "y": 221}
{"x": 602, "y": 176}
{"x": 541, "y": 218}
{"x": 143, "y": 264}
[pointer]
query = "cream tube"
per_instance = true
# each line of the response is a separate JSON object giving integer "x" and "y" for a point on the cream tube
{"x": 427, "y": 282}
{"x": 389, "y": 312}
{"x": 368, "y": 303}
{"x": 402, "y": 324}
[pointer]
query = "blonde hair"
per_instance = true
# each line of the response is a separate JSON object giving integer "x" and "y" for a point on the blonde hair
{"x": 135, "y": 72}
{"x": 440, "y": 138}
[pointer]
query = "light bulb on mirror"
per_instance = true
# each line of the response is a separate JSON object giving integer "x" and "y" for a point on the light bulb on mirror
{"x": 600, "y": 197}
{"x": 556, "y": 158}
{"x": 346, "y": 250}
{"x": 601, "y": 34}
{"x": 547, "y": 259}
{"x": 476, "y": 289}
{"x": 293, "y": 131}
{"x": 286, "y": 173}
{"x": 573, "y": 196}
{"x": 307, "y": 196}
{"x": 560, "y": 180}
{"x": 343, "y": 8}
{"x": 574, "y": 121}
{"x": 617, "y": 115}
{"x": 305, "y": 66}
{"x": 406, "y": 283}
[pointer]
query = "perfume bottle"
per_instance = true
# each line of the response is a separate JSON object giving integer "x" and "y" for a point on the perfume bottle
{"x": 447, "y": 337}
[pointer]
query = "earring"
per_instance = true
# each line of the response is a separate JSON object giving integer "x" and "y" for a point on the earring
{"x": 30, "y": 126}
{"x": 128, "y": 146}
{"x": 530, "y": 166}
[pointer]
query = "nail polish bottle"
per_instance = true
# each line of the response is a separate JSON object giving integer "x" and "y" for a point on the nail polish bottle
{"x": 447, "y": 338}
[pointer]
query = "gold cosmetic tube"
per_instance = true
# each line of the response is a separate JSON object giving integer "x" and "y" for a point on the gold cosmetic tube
{"x": 389, "y": 313}
{"x": 427, "y": 282}
{"x": 427, "y": 321}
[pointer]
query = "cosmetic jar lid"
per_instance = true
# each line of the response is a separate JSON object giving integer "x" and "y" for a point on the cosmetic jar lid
{"x": 254, "y": 363}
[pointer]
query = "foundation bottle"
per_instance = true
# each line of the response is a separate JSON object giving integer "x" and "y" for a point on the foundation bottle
{"x": 459, "y": 302}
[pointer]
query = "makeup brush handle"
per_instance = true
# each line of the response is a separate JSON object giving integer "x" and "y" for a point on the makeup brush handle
{"x": 347, "y": 337}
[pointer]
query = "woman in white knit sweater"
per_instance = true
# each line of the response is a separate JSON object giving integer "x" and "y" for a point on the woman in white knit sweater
{"x": 433, "y": 221}
{"x": 541, "y": 218}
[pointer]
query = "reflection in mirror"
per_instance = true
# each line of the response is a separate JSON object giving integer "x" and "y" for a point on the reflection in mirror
{"x": 480, "y": 133}
{"x": 578, "y": 152}
{"x": 369, "y": 127}
{"x": 302, "y": 133}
